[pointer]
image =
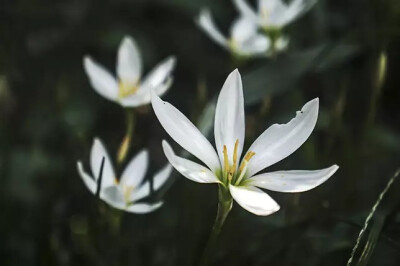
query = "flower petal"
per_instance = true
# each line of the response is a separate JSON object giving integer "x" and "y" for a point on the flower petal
{"x": 159, "y": 75}
{"x": 243, "y": 29}
{"x": 96, "y": 156}
{"x": 272, "y": 13}
{"x": 229, "y": 117}
{"x": 113, "y": 196}
{"x": 159, "y": 80}
{"x": 279, "y": 141}
{"x": 142, "y": 208}
{"x": 141, "y": 192}
{"x": 158, "y": 180}
{"x": 87, "y": 179}
{"x": 187, "y": 168}
{"x": 292, "y": 181}
{"x": 162, "y": 176}
{"x": 254, "y": 200}
{"x": 100, "y": 79}
{"x": 257, "y": 45}
{"x": 184, "y": 132}
{"x": 207, "y": 24}
{"x": 136, "y": 170}
{"x": 281, "y": 43}
{"x": 246, "y": 10}
{"x": 129, "y": 61}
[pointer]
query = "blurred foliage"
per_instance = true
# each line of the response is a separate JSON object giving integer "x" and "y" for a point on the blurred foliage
{"x": 50, "y": 114}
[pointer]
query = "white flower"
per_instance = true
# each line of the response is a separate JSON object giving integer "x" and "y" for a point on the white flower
{"x": 223, "y": 166}
{"x": 123, "y": 193}
{"x": 274, "y": 13}
{"x": 244, "y": 39}
{"x": 128, "y": 89}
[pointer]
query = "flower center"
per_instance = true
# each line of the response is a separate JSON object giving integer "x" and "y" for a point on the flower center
{"x": 232, "y": 175}
{"x": 127, "y": 88}
{"x": 127, "y": 192}
{"x": 233, "y": 44}
{"x": 264, "y": 13}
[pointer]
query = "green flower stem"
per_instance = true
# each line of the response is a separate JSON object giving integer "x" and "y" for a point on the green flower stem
{"x": 224, "y": 207}
{"x": 126, "y": 141}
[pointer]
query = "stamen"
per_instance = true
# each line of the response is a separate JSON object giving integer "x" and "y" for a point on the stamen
{"x": 235, "y": 152}
{"x": 243, "y": 166}
{"x": 246, "y": 159}
{"x": 127, "y": 190}
{"x": 226, "y": 161}
{"x": 126, "y": 89}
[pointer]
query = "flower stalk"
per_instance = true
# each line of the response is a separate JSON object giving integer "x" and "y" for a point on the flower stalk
{"x": 126, "y": 141}
{"x": 224, "y": 207}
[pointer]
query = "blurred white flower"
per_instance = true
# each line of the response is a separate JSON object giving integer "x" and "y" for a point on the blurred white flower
{"x": 274, "y": 13}
{"x": 244, "y": 39}
{"x": 241, "y": 179}
{"x": 128, "y": 89}
{"x": 123, "y": 193}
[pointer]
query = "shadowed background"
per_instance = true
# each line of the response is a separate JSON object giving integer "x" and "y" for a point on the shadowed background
{"x": 344, "y": 52}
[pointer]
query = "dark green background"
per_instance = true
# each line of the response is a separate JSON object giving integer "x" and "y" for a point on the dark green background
{"x": 49, "y": 115}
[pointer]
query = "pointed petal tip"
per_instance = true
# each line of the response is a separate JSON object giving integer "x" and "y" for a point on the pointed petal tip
{"x": 96, "y": 140}
{"x": 334, "y": 168}
{"x": 87, "y": 59}
{"x": 127, "y": 39}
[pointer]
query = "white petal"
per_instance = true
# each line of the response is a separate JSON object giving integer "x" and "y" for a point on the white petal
{"x": 100, "y": 79}
{"x": 158, "y": 180}
{"x": 159, "y": 80}
{"x": 162, "y": 176}
{"x": 187, "y": 168}
{"x": 184, "y": 132}
{"x": 292, "y": 181}
{"x": 143, "y": 96}
{"x": 113, "y": 196}
{"x": 87, "y": 179}
{"x": 142, "y": 208}
{"x": 279, "y": 141}
{"x": 245, "y": 9}
{"x": 229, "y": 117}
{"x": 243, "y": 29}
{"x": 272, "y": 12}
{"x": 141, "y": 192}
{"x": 158, "y": 76}
{"x": 96, "y": 156}
{"x": 135, "y": 100}
{"x": 270, "y": 5}
{"x": 136, "y": 169}
{"x": 257, "y": 45}
{"x": 282, "y": 43}
{"x": 206, "y": 23}
{"x": 129, "y": 61}
{"x": 254, "y": 200}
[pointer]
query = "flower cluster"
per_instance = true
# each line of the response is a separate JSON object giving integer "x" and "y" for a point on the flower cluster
{"x": 238, "y": 176}
{"x": 245, "y": 40}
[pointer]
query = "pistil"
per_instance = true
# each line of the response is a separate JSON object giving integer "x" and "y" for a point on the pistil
{"x": 127, "y": 88}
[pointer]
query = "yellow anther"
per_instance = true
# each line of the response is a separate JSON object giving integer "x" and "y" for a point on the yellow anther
{"x": 235, "y": 152}
{"x": 265, "y": 12}
{"x": 246, "y": 159}
{"x": 127, "y": 190}
{"x": 226, "y": 161}
{"x": 126, "y": 89}
{"x": 116, "y": 182}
